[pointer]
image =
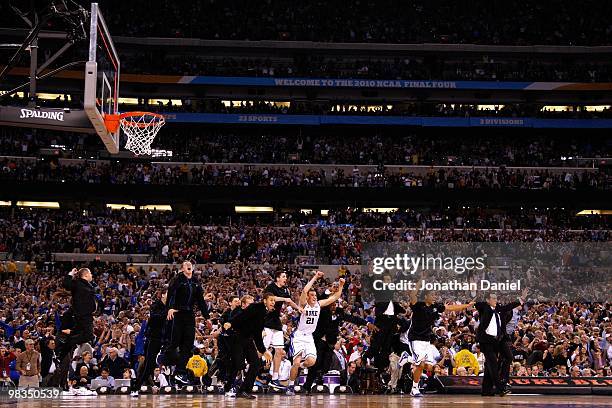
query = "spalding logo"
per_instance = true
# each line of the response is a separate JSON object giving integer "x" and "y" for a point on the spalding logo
{"x": 52, "y": 115}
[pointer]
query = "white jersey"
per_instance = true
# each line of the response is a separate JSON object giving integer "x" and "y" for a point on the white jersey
{"x": 309, "y": 319}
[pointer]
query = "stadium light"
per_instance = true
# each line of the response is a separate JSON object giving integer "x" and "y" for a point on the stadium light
{"x": 38, "y": 204}
{"x": 5, "y": 203}
{"x": 252, "y": 209}
{"x": 595, "y": 212}
{"x": 120, "y": 206}
{"x": 380, "y": 209}
{"x": 156, "y": 207}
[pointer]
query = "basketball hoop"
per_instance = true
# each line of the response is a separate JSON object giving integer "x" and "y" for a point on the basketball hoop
{"x": 139, "y": 127}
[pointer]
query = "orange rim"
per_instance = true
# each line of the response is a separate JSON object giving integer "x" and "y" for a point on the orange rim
{"x": 112, "y": 121}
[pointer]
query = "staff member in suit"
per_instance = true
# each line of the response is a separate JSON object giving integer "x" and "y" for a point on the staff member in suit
{"x": 490, "y": 334}
{"x": 184, "y": 292}
{"x": 249, "y": 345}
{"x": 49, "y": 362}
{"x": 84, "y": 305}
{"x": 154, "y": 334}
{"x": 386, "y": 321}
{"x": 350, "y": 377}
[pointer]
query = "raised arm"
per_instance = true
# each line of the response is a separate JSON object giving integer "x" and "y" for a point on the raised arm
{"x": 286, "y": 300}
{"x": 333, "y": 298}
{"x": 69, "y": 280}
{"x": 458, "y": 308}
{"x": 304, "y": 294}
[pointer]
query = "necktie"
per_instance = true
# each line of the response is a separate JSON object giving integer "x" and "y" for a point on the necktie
{"x": 498, "y": 322}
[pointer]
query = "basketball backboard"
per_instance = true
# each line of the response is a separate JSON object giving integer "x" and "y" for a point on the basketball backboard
{"x": 102, "y": 73}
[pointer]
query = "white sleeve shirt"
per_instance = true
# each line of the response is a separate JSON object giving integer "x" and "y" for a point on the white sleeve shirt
{"x": 492, "y": 328}
{"x": 390, "y": 309}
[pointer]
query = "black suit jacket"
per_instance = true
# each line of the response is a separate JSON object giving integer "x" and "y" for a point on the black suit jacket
{"x": 46, "y": 357}
{"x": 329, "y": 323}
{"x": 381, "y": 307}
{"x": 387, "y": 324}
{"x": 352, "y": 381}
{"x": 157, "y": 320}
{"x": 486, "y": 314}
{"x": 83, "y": 295}
{"x": 250, "y": 323}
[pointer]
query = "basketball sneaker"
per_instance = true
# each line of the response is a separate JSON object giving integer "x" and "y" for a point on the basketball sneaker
{"x": 276, "y": 385}
{"x": 180, "y": 378}
{"x": 414, "y": 392}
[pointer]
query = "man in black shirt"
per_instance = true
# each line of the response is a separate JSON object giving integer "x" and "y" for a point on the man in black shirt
{"x": 273, "y": 327}
{"x": 249, "y": 346}
{"x": 424, "y": 315}
{"x": 226, "y": 340}
{"x": 154, "y": 334}
{"x": 183, "y": 293}
{"x": 84, "y": 304}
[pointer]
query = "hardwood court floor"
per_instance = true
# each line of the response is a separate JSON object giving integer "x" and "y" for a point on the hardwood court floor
{"x": 327, "y": 401}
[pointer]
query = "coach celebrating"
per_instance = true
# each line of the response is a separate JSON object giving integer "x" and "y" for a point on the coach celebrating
{"x": 84, "y": 305}
{"x": 183, "y": 293}
{"x": 154, "y": 334}
{"x": 490, "y": 334}
{"x": 249, "y": 326}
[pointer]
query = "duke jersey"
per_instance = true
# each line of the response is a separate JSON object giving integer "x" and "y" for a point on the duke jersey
{"x": 309, "y": 319}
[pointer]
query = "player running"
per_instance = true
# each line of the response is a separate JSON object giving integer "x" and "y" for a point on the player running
{"x": 303, "y": 347}
{"x": 424, "y": 315}
{"x": 273, "y": 328}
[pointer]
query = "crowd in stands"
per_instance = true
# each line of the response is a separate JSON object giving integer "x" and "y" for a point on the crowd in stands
{"x": 373, "y": 109}
{"x": 475, "y": 178}
{"x": 393, "y": 146}
{"x": 336, "y": 238}
{"x": 338, "y": 107}
{"x": 555, "y": 22}
{"x": 485, "y": 68}
{"x": 569, "y": 339}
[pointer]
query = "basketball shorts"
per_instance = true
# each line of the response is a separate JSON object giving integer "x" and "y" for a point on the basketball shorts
{"x": 302, "y": 345}
{"x": 424, "y": 352}
{"x": 273, "y": 338}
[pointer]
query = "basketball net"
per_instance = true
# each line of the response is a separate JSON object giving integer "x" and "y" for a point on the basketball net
{"x": 140, "y": 129}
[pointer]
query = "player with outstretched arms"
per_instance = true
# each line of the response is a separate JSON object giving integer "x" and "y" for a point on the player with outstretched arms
{"x": 424, "y": 315}
{"x": 303, "y": 349}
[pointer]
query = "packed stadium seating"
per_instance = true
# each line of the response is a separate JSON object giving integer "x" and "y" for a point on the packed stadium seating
{"x": 552, "y": 172}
